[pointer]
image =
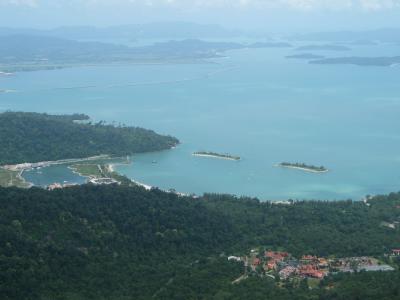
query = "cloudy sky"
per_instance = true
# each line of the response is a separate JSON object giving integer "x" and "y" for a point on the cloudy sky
{"x": 271, "y": 15}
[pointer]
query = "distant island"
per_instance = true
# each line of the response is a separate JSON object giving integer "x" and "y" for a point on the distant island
{"x": 304, "y": 167}
{"x": 48, "y": 53}
{"x": 270, "y": 45}
{"x": 5, "y": 73}
{"x": 306, "y": 56}
{"x": 360, "y": 61}
{"x": 216, "y": 155}
{"x": 6, "y": 91}
{"x": 327, "y": 47}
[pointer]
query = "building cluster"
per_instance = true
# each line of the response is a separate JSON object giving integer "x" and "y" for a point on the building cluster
{"x": 103, "y": 181}
{"x": 287, "y": 266}
{"x": 284, "y": 266}
{"x": 56, "y": 186}
{"x": 364, "y": 263}
{"x": 26, "y": 166}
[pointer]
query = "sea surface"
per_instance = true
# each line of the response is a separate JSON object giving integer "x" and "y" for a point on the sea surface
{"x": 254, "y": 103}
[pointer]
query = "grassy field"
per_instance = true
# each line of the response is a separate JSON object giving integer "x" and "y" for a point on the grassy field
{"x": 313, "y": 283}
{"x": 100, "y": 170}
{"x": 10, "y": 178}
{"x": 89, "y": 170}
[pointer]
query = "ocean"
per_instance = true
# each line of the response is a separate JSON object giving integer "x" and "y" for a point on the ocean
{"x": 254, "y": 103}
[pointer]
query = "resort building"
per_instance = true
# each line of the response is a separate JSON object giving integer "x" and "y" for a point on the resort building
{"x": 396, "y": 252}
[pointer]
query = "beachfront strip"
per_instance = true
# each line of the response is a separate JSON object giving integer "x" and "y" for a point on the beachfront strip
{"x": 216, "y": 155}
{"x": 304, "y": 167}
{"x": 284, "y": 266}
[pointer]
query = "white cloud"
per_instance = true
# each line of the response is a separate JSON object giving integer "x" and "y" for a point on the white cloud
{"x": 304, "y": 5}
{"x": 379, "y": 4}
{"x": 30, "y": 3}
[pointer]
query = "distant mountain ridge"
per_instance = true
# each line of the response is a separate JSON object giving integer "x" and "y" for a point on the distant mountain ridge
{"x": 390, "y": 35}
{"x": 169, "y": 30}
{"x": 31, "y": 52}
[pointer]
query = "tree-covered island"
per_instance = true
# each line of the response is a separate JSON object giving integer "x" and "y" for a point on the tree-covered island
{"x": 304, "y": 167}
{"x": 216, "y": 155}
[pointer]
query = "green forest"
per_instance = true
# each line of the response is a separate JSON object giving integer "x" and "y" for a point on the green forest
{"x": 123, "y": 242}
{"x": 34, "y": 137}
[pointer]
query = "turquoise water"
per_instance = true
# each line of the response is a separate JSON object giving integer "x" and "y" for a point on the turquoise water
{"x": 255, "y": 104}
{"x": 57, "y": 173}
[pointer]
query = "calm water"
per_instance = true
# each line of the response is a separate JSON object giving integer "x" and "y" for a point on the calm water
{"x": 50, "y": 175}
{"x": 255, "y": 104}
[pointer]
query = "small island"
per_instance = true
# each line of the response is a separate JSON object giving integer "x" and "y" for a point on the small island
{"x": 216, "y": 155}
{"x": 304, "y": 167}
{"x": 305, "y": 56}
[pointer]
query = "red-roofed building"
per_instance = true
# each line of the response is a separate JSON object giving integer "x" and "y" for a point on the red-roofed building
{"x": 323, "y": 263}
{"x": 274, "y": 258}
{"x": 287, "y": 272}
{"x": 271, "y": 266}
{"x": 256, "y": 262}
{"x": 396, "y": 252}
{"x": 311, "y": 271}
{"x": 309, "y": 258}
{"x": 277, "y": 256}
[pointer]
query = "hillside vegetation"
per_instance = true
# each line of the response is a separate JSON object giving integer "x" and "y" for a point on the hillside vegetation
{"x": 120, "y": 242}
{"x": 33, "y": 137}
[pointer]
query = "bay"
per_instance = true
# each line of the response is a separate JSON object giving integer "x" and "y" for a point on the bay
{"x": 254, "y": 103}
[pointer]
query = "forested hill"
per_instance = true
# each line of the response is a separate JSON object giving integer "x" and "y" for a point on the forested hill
{"x": 33, "y": 137}
{"x": 120, "y": 242}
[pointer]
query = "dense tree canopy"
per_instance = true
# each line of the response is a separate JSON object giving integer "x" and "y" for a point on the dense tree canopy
{"x": 33, "y": 137}
{"x": 120, "y": 242}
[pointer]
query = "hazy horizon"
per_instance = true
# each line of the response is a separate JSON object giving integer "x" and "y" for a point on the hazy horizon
{"x": 282, "y": 16}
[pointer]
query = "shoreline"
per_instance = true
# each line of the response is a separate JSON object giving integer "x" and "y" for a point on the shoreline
{"x": 28, "y": 183}
{"x": 75, "y": 171}
{"x": 302, "y": 169}
{"x": 146, "y": 186}
{"x": 43, "y": 164}
{"x": 111, "y": 167}
{"x": 216, "y": 156}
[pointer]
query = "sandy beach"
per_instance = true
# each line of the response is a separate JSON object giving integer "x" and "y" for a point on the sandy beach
{"x": 302, "y": 169}
{"x": 215, "y": 156}
{"x": 29, "y": 166}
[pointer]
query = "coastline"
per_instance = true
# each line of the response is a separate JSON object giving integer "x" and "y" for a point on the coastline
{"x": 215, "y": 156}
{"x": 20, "y": 177}
{"x": 302, "y": 169}
{"x": 111, "y": 168}
{"x": 75, "y": 171}
{"x": 146, "y": 186}
{"x": 42, "y": 164}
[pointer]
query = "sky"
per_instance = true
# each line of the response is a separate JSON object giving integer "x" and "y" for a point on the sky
{"x": 265, "y": 15}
